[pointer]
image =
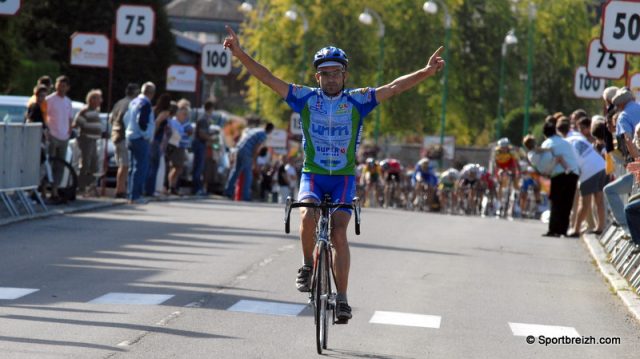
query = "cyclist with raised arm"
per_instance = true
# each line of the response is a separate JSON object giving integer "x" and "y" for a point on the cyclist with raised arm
{"x": 331, "y": 118}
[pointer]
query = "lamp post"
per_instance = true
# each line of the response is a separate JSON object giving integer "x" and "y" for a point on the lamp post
{"x": 431, "y": 7}
{"x": 292, "y": 14}
{"x": 245, "y": 8}
{"x": 510, "y": 39}
{"x": 527, "y": 97}
{"x": 366, "y": 17}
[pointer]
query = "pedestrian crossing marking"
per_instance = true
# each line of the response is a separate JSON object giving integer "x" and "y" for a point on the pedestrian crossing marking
{"x": 406, "y": 319}
{"x": 132, "y": 298}
{"x": 549, "y": 331}
{"x": 9, "y": 293}
{"x": 269, "y": 308}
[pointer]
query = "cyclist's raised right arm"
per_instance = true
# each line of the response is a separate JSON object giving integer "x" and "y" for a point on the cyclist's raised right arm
{"x": 255, "y": 68}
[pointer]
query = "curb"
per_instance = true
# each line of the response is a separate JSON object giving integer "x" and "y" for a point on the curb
{"x": 617, "y": 282}
{"x": 94, "y": 206}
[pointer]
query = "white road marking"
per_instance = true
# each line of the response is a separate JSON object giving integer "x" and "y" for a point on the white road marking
{"x": 549, "y": 331}
{"x": 406, "y": 319}
{"x": 270, "y": 308}
{"x": 131, "y": 298}
{"x": 15, "y": 293}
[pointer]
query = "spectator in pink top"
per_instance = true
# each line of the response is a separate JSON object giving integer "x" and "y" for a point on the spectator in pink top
{"x": 59, "y": 118}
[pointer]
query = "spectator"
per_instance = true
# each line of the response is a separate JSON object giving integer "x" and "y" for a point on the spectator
{"x": 46, "y": 82}
{"x": 116, "y": 120}
{"x": 563, "y": 180}
{"x": 265, "y": 179}
{"x": 140, "y": 125}
{"x": 292, "y": 177}
{"x": 161, "y": 113}
{"x": 201, "y": 140}
{"x": 35, "y": 112}
{"x": 247, "y": 152}
{"x": 90, "y": 130}
{"x": 628, "y": 119}
{"x": 283, "y": 182}
{"x": 180, "y": 131}
{"x": 593, "y": 176}
{"x": 59, "y": 117}
{"x": 632, "y": 209}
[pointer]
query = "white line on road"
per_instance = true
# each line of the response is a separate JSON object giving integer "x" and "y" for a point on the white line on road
{"x": 270, "y": 308}
{"x": 15, "y": 293}
{"x": 131, "y": 298}
{"x": 406, "y": 319}
{"x": 550, "y": 331}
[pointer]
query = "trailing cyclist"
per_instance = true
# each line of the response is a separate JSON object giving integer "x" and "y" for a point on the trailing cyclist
{"x": 467, "y": 187}
{"x": 424, "y": 182}
{"x": 392, "y": 177}
{"x": 371, "y": 181}
{"x": 506, "y": 168}
{"x": 331, "y": 121}
{"x": 446, "y": 189}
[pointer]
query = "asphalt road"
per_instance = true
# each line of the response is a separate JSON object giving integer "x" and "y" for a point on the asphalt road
{"x": 214, "y": 279}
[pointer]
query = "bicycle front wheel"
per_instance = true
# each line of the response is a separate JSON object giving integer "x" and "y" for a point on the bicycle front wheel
{"x": 321, "y": 297}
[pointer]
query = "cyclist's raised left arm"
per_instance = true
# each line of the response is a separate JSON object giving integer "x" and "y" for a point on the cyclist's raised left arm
{"x": 255, "y": 68}
{"x": 403, "y": 83}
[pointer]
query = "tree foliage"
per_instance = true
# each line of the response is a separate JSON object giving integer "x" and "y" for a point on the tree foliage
{"x": 562, "y": 30}
{"x": 42, "y": 32}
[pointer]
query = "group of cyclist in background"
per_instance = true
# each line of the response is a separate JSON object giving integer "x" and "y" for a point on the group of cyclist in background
{"x": 509, "y": 187}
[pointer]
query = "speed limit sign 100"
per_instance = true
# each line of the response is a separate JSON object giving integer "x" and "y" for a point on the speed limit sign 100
{"x": 135, "y": 25}
{"x": 621, "y": 26}
{"x": 585, "y": 86}
{"x": 604, "y": 64}
{"x": 216, "y": 60}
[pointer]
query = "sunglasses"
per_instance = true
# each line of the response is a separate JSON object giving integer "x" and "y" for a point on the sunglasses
{"x": 331, "y": 74}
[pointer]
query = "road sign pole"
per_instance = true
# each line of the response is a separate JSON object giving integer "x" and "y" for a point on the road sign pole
{"x": 111, "y": 57}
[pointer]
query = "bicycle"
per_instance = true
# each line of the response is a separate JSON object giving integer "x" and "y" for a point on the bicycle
{"x": 322, "y": 297}
{"x": 67, "y": 183}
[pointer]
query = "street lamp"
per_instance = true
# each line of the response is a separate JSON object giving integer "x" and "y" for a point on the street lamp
{"x": 431, "y": 7}
{"x": 510, "y": 39}
{"x": 527, "y": 97}
{"x": 292, "y": 14}
{"x": 245, "y": 8}
{"x": 366, "y": 17}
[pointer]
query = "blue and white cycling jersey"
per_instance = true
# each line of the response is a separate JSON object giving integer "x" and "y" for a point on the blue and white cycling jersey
{"x": 331, "y": 127}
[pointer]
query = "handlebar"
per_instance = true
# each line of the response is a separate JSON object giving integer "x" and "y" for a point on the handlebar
{"x": 290, "y": 204}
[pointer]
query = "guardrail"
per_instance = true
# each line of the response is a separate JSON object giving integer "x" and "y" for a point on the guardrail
{"x": 620, "y": 249}
{"x": 20, "y": 167}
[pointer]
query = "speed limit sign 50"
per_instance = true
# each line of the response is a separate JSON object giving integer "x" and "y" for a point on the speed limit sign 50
{"x": 135, "y": 25}
{"x": 604, "y": 64}
{"x": 585, "y": 86}
{"x": 215, "y": 60}
{"x": 621, "y": 26}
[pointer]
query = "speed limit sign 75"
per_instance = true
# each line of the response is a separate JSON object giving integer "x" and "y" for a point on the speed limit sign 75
{"x": 604, "y": 64}
{"x": 585, "y": 86}
{"x": 9, "y": 7}
{"x": 621, "y": 26}
{"x": 215, "y": 60}
{"x": 135, "y": 25}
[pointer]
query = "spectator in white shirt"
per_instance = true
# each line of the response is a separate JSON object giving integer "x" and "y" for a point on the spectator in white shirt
{"x": 59, "y": 118}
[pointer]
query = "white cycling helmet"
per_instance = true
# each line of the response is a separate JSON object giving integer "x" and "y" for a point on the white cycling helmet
{"x": 504, "y": 142}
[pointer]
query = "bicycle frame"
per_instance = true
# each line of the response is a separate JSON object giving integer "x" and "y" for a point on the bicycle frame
{"x": 323, "y": 299}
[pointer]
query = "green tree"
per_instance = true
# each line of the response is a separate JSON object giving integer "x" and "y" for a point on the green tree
{"x": 44, "y": 28}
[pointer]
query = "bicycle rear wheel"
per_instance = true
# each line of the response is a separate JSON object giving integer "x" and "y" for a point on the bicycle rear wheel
{"x": 321, "y": 297}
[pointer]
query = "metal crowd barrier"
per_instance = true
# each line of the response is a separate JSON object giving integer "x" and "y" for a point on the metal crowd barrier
{"x": 619, "y": 249}
{"x": 20, "y": 168}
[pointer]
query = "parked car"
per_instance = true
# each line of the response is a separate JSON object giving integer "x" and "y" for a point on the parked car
{"x": 13, "y": 110}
